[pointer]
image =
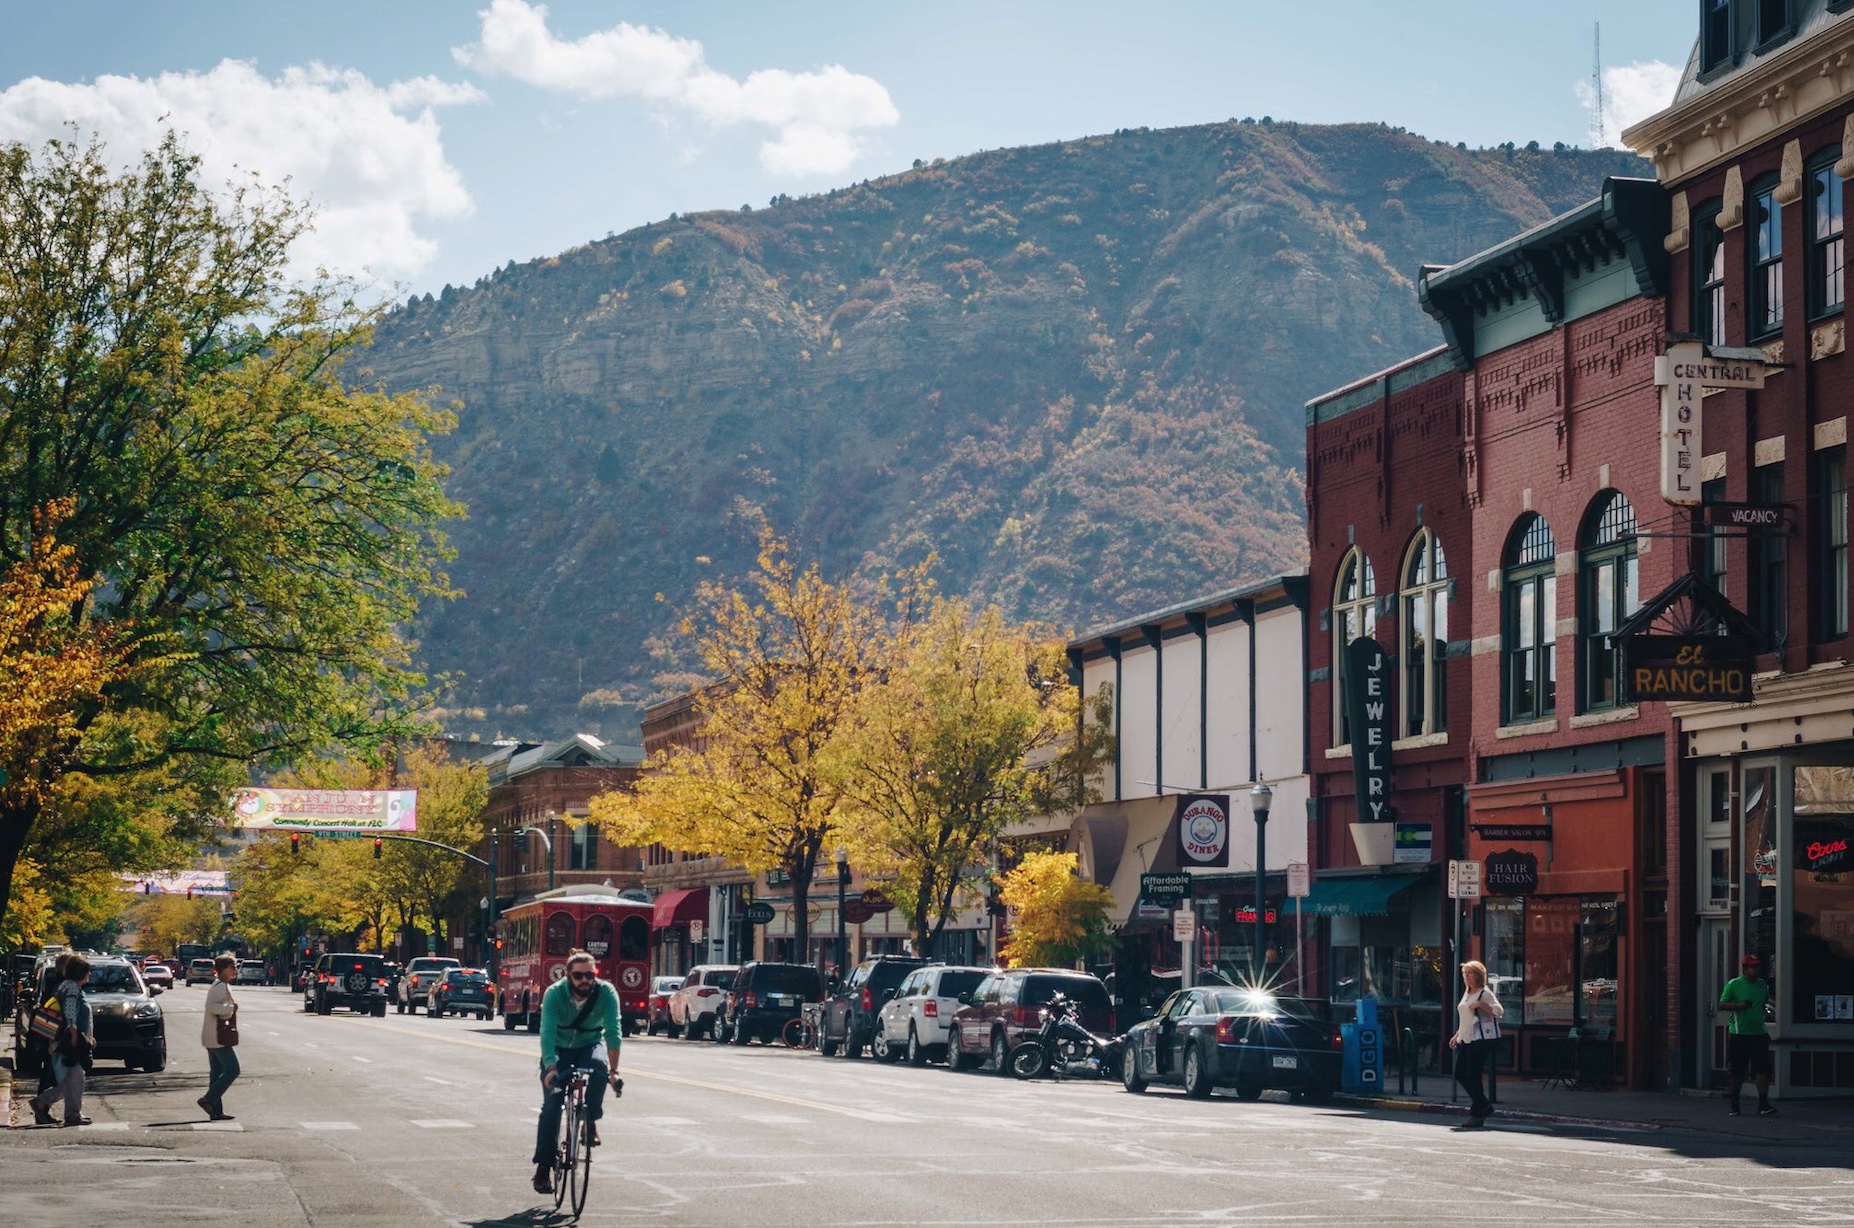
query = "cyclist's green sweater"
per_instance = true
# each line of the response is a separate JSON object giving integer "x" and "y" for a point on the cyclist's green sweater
{"x": 558, "y": 1010}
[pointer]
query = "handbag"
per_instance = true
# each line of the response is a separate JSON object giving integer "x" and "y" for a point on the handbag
{"x": 47, "y": 1021}
{"x": 227, "y": 1031}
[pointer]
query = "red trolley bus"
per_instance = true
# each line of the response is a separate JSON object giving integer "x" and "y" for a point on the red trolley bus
{"x": 540, "y": 934}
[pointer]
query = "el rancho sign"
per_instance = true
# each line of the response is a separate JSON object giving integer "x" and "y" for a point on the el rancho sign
{"x": 1690, "y": 668}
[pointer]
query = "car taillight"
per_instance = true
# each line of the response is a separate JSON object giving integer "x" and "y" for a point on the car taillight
{"x": 931, "y": 1008}
{"x": 750, "y": 999}
{"x": 380, "y": 981}
{"x": 705, "y": 991}
{"x": 1226, "y": 1030}
{"x": 1027, "y": 1016}
{"x": 1337, "y": 1041}
{"x": 868, "y": 999}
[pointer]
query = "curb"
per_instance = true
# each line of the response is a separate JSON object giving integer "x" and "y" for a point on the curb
{"x": 1397, "y": 1105}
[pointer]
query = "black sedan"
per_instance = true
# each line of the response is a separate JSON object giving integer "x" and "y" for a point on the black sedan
{"x": 459, "y": 991}
{"x": 1246, "y": 1039}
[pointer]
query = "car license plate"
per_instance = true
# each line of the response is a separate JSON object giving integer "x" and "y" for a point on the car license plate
{"x": 780, "y": 999}
{"x": 1284, "y": 1061}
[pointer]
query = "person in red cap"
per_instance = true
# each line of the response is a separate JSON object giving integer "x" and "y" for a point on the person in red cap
{"x": 1747, "y": 1044}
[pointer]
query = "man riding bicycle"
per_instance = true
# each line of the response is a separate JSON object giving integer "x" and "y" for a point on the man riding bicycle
{"x": 575, "y": 1011}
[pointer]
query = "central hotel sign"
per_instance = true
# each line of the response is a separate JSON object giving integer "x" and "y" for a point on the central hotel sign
{"x": 1684, "y": 373}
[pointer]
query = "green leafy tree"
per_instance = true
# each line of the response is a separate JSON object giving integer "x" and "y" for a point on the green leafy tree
{"x": 1059, "y": 918}
{"x": 784, "y": 658}
{"x": 974, "y": 727}
{"x": 257, "y": 530}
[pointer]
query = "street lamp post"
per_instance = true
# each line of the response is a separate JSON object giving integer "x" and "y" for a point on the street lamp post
{"x": 494, "y": 961}
{"x": 1259, "y": 798}
{"x": 843, "y": 886}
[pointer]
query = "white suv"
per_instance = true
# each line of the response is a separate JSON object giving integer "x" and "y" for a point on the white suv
{"x": 694, "y": 1007}
{"x": 918, "y": 1020}
{"x": 419, "y": 976}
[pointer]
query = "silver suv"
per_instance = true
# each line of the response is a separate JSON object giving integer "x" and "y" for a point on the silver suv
{"x": 419, "y": 976}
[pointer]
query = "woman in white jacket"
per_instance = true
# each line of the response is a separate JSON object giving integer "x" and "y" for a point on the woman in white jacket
{"x": 221, "y": 1057}
{"x": 1477, "y": 1032}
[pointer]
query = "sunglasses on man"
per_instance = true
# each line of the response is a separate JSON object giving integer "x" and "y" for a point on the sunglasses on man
{"x": 583, "y": 976}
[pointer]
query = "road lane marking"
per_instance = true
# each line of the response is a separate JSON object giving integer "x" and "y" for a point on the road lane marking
{"x": 442, "y": 1123}
{"x": 727, "y": 1089}
{"x": 357, "y": 1057}
{"x": 438, "y": 1081}
{"x": 329, "y": 1125}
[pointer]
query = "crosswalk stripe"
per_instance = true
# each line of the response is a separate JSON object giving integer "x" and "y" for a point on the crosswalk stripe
{"x": 329, "y": 1125}
{"x": 357, "y": 1057}
{"x": 442, "y": 1123}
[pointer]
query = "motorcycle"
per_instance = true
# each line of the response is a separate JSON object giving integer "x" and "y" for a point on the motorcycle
{"x": 1064, "y": 1049}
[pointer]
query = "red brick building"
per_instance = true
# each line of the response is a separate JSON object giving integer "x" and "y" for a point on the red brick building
{"x": 1754, "y": 152}
{"x": 1474, "y": 511}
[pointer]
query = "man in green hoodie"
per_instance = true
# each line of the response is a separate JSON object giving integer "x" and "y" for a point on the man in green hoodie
{"x": 1747, "y": 1045}
{"x": 577, "y": 1011}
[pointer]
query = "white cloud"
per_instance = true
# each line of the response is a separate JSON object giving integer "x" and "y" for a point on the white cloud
{"x": 1631, "y": 93}
{"x": 817, "y": 114}
{"x": 368, "y": 158}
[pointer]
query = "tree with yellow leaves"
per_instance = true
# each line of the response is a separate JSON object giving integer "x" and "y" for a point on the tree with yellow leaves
{"x": 783, "y": 661}
{"x": 974, "y": 727}
{"x": 1059, "y": 918}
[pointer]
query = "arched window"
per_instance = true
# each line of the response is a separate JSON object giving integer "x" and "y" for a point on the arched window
{"x": 1425, "y": 637}
{"x": 634, "y": 938}
{"x": 1529, "y": 627}
{"x": 1355, "y": 613}
{"x": 1607, "y": 594}
{"x": 560, "y": 933}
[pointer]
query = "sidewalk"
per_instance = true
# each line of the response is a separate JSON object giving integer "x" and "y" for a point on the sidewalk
{"x": 1525, "y": 1100}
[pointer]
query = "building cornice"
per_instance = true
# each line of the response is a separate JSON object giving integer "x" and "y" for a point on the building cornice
{"x": 1749, "y": 108}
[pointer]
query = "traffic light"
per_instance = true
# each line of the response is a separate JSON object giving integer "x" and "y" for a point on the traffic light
{"x": 296, "y": 843}
{"x": 189, "y": 893}
{"x": 377, "y": 842}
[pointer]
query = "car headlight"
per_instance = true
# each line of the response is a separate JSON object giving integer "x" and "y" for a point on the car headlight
{"x": 147, "y": 1010}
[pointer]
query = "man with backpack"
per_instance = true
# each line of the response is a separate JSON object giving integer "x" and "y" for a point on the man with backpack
{"x": 577, "y": 1012}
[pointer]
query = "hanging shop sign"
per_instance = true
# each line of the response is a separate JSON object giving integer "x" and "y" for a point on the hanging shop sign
{"x": 1684, "y": 373}
{"x": 1511, "y": 872}
{"x": 1414, "y": 844}
{"x": 876, "y": 902}
{"x": 1746, "y": 515}
{"x": 1165, "y": 890}
{"x": 1202, "y": 821}
{"x": 856, "y": 912}
{"x": 761, "y": 913}
{"x": 1368, "y": 714}
{"x": 1689, "y": 668}
{"x": 1522, "y": 832}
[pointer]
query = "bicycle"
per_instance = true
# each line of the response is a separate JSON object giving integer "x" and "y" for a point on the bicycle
{"x": 800, "y": 1033}
{"x": 573, "y": 1153}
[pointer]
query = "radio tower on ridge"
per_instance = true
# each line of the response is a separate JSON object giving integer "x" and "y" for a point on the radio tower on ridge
{"x": 1599, "y": 128}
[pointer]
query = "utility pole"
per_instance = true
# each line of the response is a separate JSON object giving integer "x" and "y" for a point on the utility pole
{"x": 1599, "y": 124}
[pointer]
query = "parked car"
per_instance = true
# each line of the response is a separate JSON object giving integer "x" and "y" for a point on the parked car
{"x": 125, "y": 1018}
{"x": 460, "y": 991}
{"x": 765, "y": 997}
{"x": 1007, "y": 1008}
{"x": 355, "y": 981}
{"x": 157, "y": 975}
{"x": 847, "y": 1021}
{"x": 419, "y": 976}
{"x": 656, "y": 1015}
{"x": 694, "y": 1008}
{"x": 250, "y": 972}
{"x": 199, "y": 972}
{"x": 917, "y": 1022}
{"x": 1215, "y": 1037}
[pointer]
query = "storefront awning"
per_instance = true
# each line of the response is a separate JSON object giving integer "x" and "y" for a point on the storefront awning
{"x": 1355, "y": 897}
{"x": 681, "y": 907}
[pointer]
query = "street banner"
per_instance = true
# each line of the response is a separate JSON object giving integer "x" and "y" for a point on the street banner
{"x": 182, "y": 882}
{"x": 329, "y": 810}
{"x": 1202, "y": 821}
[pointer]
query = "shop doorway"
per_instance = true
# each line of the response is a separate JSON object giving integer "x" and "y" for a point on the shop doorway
{"x": 1715, "y": 963}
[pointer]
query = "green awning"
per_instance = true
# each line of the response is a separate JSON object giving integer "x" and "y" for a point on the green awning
{"x": 1368, "y": 896}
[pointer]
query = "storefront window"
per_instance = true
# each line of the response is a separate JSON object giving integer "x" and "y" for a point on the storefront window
{"x": 1395, "y": 976}
{"x": 1504, "y": 946}
{"x": 1551, "y": 952}
{"x": 1596, "y": 966}
{"x": 1760, "y": 862}
{"x": 1820, "y": 969}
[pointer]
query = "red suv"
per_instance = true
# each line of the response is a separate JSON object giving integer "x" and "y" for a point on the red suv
{"x": 1007, "y": 1008}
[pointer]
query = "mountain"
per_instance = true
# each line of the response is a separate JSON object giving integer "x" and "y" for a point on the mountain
{"x": 1076, "y": 371}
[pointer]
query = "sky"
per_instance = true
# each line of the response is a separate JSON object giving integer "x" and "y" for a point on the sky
{"x": 437, "y": 141}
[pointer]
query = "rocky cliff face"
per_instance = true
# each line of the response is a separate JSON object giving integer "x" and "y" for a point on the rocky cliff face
{"x": 1075, "y": 371}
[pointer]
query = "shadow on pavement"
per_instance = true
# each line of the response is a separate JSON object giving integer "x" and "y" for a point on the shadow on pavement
{"x": 533, "y": 1218}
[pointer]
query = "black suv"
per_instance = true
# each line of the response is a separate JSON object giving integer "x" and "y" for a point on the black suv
{"x": 764, "y": 998}
{"x": 849, "y": 1016}
{"x": 357, "y": 982}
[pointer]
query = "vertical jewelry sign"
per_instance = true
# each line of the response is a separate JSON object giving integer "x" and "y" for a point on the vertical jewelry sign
{"x": 1678, "y": 373}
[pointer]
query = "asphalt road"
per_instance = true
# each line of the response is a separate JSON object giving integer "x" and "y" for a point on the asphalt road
{"x": 407, "y": 1120}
